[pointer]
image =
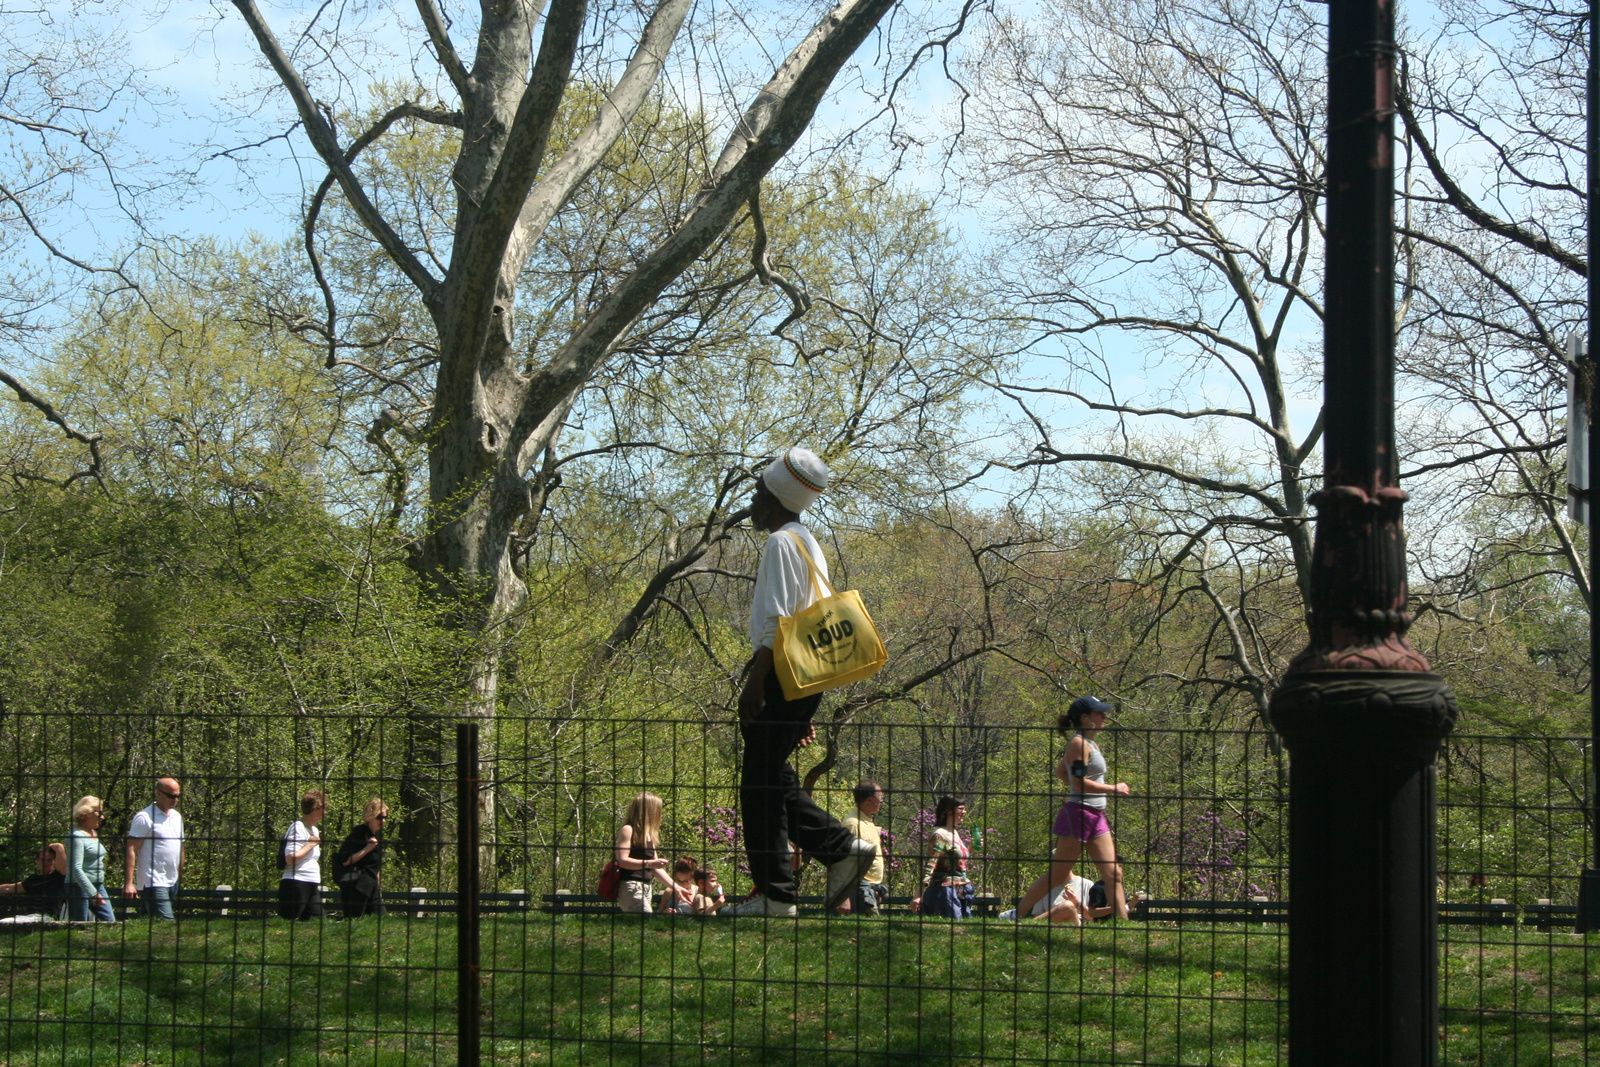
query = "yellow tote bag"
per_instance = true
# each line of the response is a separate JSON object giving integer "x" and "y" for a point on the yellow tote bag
{"x": 829, "y": 644}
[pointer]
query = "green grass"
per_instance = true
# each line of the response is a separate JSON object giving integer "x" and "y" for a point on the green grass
{"x": 632, "y": 991}
{"x": 1519, "y": 997}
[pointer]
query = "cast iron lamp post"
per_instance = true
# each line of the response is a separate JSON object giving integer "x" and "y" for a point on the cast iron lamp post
{"x": 1360, "y": 711}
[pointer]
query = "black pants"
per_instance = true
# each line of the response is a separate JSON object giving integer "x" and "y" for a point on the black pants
{"x": 775, "y": 809}
{"x": 361, "y": 897}
{"x": 299, "y": 900}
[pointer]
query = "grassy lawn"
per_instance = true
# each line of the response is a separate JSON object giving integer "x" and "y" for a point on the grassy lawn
{"x": 646, "y": 991}
{"x": 1519, "y": 997}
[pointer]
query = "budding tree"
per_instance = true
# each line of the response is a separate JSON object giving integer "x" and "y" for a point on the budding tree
{"x": 1156, "y": 170}
{"x": 65, "y": 180}
{"x": 497, "y": 401}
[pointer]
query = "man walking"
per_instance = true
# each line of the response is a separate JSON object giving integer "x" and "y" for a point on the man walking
{"x": 155, "y": 851}
{"x": 776, "y": 810}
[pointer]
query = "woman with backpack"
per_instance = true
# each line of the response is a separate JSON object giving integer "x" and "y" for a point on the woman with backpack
{"x": 300, "y": 886}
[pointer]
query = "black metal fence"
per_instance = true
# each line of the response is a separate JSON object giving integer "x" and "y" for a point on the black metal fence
{"x": 1197, "y": 975}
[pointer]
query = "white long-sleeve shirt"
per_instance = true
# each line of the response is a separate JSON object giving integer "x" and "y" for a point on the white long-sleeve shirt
{"x": 783, "y": 583}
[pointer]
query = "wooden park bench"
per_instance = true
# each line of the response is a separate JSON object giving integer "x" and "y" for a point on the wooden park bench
{"x": 1546, "y": 916}
{"x": 1496, "y": 912}
{"x": 1259, "y": 910}
{"x": 419, "y": 902}
{"x": 592, "y": 904}
{"x": 578, "y": 904}
{"x": 1256, "y": 911}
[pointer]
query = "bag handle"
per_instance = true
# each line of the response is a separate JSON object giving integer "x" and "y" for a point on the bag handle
{"x": 817, "y": 580}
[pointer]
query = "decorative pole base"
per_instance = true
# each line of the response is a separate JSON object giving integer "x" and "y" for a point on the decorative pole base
{"x": 1362, "y": 973}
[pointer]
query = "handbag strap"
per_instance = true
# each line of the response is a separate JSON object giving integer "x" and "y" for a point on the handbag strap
{"x": 817, "y": 580}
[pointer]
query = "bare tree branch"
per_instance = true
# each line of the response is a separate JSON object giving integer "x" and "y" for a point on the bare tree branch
{"x": 1468, "y": 207}
{"x": 443, "y": 49}
{"x": 326, "y": 144}
{"x": 92, "y": 441}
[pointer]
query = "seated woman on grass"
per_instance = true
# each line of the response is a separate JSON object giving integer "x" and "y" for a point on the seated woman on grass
{"x": 1076, "y": 903}
{"x": 637, "y": 842}
{"x": 47, "y": 890}
{"x": 946, "y": 889}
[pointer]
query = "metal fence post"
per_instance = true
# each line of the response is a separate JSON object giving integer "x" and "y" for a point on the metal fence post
{"x": 1589, "y": 879}
{"x": 1361, "y": 713}
{"x": 468, "y": 987}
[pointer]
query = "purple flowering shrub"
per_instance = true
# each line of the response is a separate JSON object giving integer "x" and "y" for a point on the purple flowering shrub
{"x": 718, "y": 832}
{"x": 891, "y": 857}
{"x": 1209, "y": 860}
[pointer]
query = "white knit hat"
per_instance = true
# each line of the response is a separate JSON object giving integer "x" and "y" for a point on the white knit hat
{"x": 796, "y": 478}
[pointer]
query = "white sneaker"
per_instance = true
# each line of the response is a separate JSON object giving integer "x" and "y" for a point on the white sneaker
{"x": 845, "y": 874}
{"x": 1009, "y": 915}
{"x": 759, "y": 904}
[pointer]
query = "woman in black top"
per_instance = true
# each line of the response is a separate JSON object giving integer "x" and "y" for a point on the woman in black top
{"x": 46, "y": 891}
{"x": 357, "y": 865}
{"x": 637, "y": 842}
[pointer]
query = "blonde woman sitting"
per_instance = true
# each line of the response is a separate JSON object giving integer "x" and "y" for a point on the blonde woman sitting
{"x": 637, "y": 842}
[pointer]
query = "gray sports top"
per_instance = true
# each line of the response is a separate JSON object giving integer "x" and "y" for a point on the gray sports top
{"x": 1095, "y": 770}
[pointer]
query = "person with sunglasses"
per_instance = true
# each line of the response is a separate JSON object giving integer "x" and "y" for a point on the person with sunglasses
{"x": 45, "y": 892}
{"x": 155, "y": 852}
{"x": 357, "y": 866}
{"x": 86, "y": 864}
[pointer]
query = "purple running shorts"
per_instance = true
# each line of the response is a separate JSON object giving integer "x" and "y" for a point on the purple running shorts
{"x": 1084, "y": 823}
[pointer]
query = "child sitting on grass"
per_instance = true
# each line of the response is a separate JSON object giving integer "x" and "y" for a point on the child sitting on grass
{"x": 679, "y": 899}
{"x": 708, "y": 897}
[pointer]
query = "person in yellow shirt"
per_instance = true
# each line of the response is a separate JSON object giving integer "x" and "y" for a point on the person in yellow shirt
{"x": 871, "y": 893}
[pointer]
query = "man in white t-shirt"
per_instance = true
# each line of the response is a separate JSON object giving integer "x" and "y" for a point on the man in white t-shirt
{"x": 155, "y": 852}
{"x": 777, "y": 813}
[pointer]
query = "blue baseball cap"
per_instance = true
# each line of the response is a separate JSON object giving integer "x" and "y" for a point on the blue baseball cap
{"x": 1085, "y": 704}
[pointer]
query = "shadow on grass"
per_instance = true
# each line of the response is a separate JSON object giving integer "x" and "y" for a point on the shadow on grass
{"x": 630, "y": 990}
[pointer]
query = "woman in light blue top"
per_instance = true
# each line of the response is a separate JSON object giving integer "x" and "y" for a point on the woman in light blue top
{"x": 86, "y": 865}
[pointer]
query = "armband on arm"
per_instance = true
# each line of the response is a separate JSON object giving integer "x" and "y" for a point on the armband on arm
{"x": 1080, "y": 769}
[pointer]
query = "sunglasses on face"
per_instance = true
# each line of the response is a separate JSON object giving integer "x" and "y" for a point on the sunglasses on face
{"x": 174, "y": 796}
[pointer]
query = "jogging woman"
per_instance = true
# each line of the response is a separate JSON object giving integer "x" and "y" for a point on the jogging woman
{"x": 1081, "y": 824}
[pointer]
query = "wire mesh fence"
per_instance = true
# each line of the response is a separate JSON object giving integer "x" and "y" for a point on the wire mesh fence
{"x": 366, "y": 962}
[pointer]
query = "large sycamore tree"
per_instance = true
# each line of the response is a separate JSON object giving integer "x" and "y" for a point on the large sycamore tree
{"x": 497, "y": 406}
